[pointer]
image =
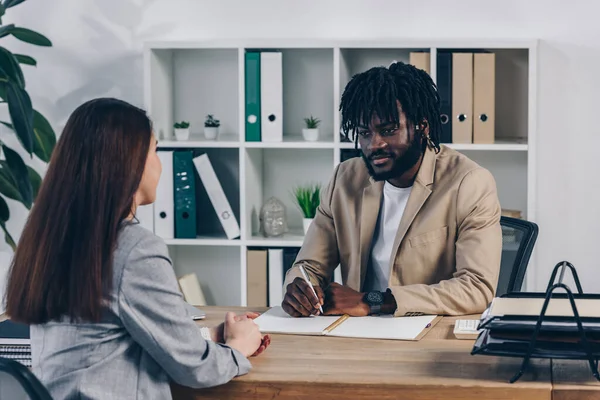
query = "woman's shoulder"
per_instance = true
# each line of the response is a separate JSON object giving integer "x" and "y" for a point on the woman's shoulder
{"x": 134, "y": 240}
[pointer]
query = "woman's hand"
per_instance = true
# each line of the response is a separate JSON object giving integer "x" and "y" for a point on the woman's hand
{"x": 242, "y": 334}
{"x": 216, "y": 332}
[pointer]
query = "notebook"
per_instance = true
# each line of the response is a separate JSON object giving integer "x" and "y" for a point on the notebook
{"x": 13, "y": 333}
{"x": 381, "y": 327}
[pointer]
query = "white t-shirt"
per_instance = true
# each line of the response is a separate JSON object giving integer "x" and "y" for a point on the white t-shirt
{"x": 390, "y": 213}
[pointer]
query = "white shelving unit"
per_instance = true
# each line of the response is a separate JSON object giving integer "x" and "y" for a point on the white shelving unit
{"x": 188, "y": 80}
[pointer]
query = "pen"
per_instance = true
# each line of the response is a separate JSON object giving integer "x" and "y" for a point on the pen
{"x": 311, "y": 286}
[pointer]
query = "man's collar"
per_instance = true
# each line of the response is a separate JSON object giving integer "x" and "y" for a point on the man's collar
{"x": 427, "y": 170}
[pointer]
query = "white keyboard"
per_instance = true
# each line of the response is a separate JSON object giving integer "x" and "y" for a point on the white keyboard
{"x": 466, "y": 329}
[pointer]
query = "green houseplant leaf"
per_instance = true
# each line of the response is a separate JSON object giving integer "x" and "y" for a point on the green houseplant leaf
{"x": 20, "y": 174}
{"x": 29, "y": 36}
{"x": 12, "y": 3}
{"x": 11, "y": 67}
{"x": 23, "y": 59}
{"x": 36, "y": 181}
{"x": 307, "y": 199}
{"x": 19, "y": 181}
{"x": 21, "y": 114}
{"x": 8, "y": 184}
{"x": 4, "y": 216}
{"x": 6, "y": 29}
{"x": 44, "y": 138}
{"x": 4, "y": 211}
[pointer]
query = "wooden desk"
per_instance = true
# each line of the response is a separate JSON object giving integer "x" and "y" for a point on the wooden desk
{"x": 573, "y": 379}
{"x": 436, "y": 367}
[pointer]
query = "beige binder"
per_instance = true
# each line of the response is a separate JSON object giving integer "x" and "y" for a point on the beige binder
{"x": 462, "y": 98}
{"x": 421, "y": 60}
{"x": 191, "y": 289}
{"x": 484, "y": 95}
{"x": 256, "y": 280}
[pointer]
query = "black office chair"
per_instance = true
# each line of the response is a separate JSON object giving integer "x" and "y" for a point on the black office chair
{"x": 20, "y": 379}
{"x": 518, "y": 240}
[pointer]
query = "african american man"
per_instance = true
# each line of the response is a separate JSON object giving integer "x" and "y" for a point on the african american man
{"x": 413, "y": 225}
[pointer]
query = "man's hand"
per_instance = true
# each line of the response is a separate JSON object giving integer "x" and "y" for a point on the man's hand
{"x": 300, "y": 301}
{"x": 344, "y": 300}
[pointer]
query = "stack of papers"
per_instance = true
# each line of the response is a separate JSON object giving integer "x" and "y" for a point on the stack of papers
{"x": 510, "y": 322}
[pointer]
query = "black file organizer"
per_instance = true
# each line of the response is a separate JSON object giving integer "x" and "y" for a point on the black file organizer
{"x": 581, "y": 350}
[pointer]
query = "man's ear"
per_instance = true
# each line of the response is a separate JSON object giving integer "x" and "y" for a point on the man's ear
{"x": 423, "y": 127}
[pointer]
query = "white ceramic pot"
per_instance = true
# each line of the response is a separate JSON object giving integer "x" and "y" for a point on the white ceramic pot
{"x": 310, "y": 135}
{"x": 211, "y": 132}
{"x": 182, "y": 133}
{"x": 306, "y": 224}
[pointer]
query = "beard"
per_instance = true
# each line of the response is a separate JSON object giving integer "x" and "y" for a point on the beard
{"x": 400, "y": 164}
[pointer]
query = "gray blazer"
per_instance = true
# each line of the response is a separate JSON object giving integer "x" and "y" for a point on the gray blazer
{"x": 145, "y": 340}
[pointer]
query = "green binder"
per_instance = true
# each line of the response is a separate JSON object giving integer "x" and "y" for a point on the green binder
{"x": 184, "y": 186}
{"x": 252, "y": 77}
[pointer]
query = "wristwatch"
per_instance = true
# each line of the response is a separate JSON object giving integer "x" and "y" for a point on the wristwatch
{"x": 374, "y": 300}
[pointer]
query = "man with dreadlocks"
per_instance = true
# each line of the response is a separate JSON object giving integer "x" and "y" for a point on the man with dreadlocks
{"x": 414, "y": 226}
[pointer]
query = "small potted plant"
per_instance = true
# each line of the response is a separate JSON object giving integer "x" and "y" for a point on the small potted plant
{"x": 182, "y": 130}
{"x": 307, "y": 199}
{"x": 211, "y": 127}
{"x": 311, "y": 132}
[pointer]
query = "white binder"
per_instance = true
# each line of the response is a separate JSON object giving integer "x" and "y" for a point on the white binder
{"x": 145, "y": 215}
{"x": 271, "y": 92}
{"x": 217, "y": 196}
{"x": 275, "y": 277}
{"x": 164, "y": 206}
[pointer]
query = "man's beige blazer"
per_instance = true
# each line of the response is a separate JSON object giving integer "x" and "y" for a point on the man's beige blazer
{"x": 446, "y": 254}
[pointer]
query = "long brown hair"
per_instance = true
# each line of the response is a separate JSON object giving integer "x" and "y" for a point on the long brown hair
{"x": 63, "y": 262}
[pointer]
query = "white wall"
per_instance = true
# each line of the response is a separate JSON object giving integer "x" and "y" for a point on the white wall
{"x": 98, "y": 46}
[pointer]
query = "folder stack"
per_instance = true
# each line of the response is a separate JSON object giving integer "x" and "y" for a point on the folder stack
{"x": 466, "y": 84}
{"x": 553, "y": 324}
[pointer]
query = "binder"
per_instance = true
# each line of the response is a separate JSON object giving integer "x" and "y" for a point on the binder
{"x": 256, "y": 280}
{"x": 462, "y": 97}
{"x": 271, "y": 94}
{"x": 184, "y": 186}
{"x": 421, "y": 60}
{"x": 444, "y": 84}
{"x": 275, "y": 277}
{"x": 164, "y": 218}
{"x": 252, "y": 93}
{"x": 191, "y": 290}
{"x": 484, "y": 95}
{"x": 217, "y": 196}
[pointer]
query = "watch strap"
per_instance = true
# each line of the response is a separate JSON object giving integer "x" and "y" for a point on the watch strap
{"x": 375, "y": 309}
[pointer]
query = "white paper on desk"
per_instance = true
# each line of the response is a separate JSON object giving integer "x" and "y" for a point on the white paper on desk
{"x": 383, "y": 327}
{"x": 278, "y": 321}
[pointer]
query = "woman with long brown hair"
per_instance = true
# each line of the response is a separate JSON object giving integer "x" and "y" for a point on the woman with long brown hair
{"x": 106, "y": 316}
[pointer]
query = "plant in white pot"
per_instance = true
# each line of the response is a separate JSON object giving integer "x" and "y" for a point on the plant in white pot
{"x": 307, "y": 198}
{"x": 311, "y": 132}
{"x": 211, "y": 127}
{"x": 182, "y": 130}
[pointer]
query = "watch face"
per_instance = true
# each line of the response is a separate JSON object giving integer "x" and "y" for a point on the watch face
{"x": 374, "y": 298}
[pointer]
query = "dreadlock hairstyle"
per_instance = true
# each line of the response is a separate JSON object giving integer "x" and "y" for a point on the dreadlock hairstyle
{"x": 374, "y": 92}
